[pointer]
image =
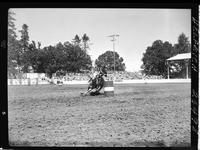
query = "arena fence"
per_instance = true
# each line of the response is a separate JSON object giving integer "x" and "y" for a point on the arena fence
{"x": 29, "y": 81}
{"x": 38, "y": 81}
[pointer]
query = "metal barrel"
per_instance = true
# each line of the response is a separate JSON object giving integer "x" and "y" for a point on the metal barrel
{"x": 108, "y": 88}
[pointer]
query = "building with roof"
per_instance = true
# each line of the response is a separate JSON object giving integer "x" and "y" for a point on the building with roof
{"x": 180, "y": 57}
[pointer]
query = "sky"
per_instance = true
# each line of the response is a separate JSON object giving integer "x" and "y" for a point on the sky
{"x": 137, "y": 28}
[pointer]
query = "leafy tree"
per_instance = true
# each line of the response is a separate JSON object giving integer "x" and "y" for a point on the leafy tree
{"x": 76, "y": 40}
{"x": 85, "y": 40}
{"x": 12, "y": 45}
{"x": 32, "y": 56}
{"x": 41, "y": 61}
{"x": 24, "y": 49}
{"x": 49, "y": 60}
{"x": 39, "y": 45}
{"x": 107, "y": 59}
{"x": 64, "y": 57}
{"x": 60, "y": 73}
{"x": 79, "y": 60}
{"x": 154, "y": 59}
{"x": 24, "y": 41}
{"x": 183, "y": 45}
{"x": 178, "y": 68}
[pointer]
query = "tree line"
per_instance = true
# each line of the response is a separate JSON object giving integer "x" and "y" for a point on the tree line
{"x": 155, "y": 56}
{"x": 63, "y": 57}
{"x": 73, "y": 56}
{"x": 23, "y": 54}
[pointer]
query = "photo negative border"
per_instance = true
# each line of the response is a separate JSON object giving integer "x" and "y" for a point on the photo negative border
{"x": 194, "y": 59}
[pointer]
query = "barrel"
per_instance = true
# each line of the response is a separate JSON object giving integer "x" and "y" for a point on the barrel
{"x": 108, "y": 88}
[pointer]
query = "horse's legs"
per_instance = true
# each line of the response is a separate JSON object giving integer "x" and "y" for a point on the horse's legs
{"x": 87, "y": 91}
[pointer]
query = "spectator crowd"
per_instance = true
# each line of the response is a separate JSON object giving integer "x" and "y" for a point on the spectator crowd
{"x": 117, "y": 76}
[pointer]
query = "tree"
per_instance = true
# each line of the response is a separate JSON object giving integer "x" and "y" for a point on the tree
{"x": 154, "y": 59}
{"x": 12, "y": 45}
{"x": 32, "y": 56}
{"x": 183, "y": 45}
{"x": 24, "y": 41}
{"x": 107, "y": 59}
{"x": 178, "y": 68}
{"x": 41, "y": 61}
{"x": 64, "y": 57}
{"x": 79, "y": 60}
{"x": 23, "y": 59}
{"x": 85, "y": 40}
{"x": 76, "y": 40}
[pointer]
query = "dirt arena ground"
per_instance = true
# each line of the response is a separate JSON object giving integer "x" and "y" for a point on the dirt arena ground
{"x": 138, "y": 115}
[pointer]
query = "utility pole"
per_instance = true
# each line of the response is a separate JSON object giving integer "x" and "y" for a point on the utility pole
{"x": 113, "y": 40}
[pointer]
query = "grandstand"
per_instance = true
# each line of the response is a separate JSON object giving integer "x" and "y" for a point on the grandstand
{"x": 69, "y": 78}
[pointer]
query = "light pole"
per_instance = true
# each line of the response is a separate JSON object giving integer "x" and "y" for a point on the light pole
{"x": 113, "y": 40}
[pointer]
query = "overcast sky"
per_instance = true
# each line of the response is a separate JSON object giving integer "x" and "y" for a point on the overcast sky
{"x": 138, "y": 28}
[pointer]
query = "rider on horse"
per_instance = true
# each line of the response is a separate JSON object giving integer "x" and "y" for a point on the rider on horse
{"x": 98, "y": 73}
{"x": 96, "y": 82}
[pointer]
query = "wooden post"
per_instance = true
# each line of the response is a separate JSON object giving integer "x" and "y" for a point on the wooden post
{"x": 37, "y": 81}
{"x": 186, "y": 69}
{"x": 167, "y": 70}
{"x": 20, "y": 81}
{"x": 29, "y": 81}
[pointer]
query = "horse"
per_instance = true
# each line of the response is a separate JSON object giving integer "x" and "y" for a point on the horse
{"x": 96, "y": 84}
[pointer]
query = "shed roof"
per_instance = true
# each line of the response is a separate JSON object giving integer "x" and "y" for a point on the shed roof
{"x": 181, "y": 56}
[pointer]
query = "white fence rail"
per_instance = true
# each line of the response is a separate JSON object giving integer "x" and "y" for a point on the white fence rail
{"x": 34, "y": 81}
{"x": 38, "y": 81}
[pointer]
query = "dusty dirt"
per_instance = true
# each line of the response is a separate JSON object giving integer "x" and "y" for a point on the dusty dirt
{"x": 138, "y": 115}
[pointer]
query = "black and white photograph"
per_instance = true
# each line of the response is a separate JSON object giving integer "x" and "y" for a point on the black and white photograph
{"x": 99, "y": 77}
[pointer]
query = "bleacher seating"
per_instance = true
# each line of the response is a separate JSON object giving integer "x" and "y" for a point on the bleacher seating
{"x": 117, "y": 76}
